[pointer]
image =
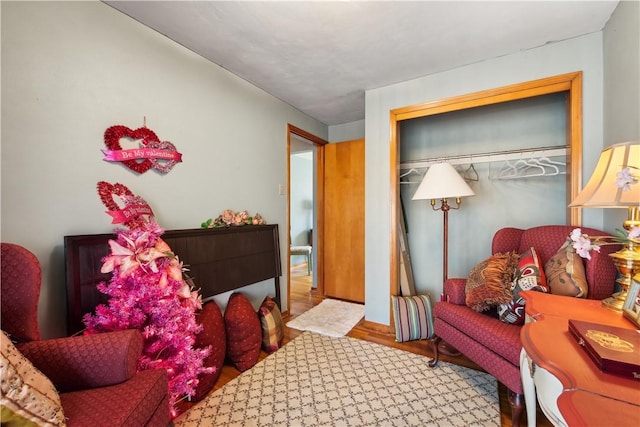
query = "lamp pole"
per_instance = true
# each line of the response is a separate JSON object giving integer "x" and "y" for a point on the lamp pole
{"x": 445, "y": 208}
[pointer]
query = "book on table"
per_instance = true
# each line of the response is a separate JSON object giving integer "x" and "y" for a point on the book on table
{"x": 613, "y": 349}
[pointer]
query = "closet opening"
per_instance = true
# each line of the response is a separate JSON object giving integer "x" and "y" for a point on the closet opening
{"x": 523, "y": 136}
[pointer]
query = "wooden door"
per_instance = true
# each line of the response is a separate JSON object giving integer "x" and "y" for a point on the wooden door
{"x": 344, "y": 221}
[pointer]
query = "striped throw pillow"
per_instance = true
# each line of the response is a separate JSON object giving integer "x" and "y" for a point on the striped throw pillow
{"x": 412, "y": 317}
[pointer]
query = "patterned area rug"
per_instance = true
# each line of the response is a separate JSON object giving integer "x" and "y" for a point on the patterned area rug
{"x": 331, "y": 317}
{"x": 316, "y": 380}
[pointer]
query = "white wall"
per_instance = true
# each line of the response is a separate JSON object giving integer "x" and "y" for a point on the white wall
{"x": 70, "y": 70}
{"x": 347, "y": 131}
{"x": 582, "y": 53}
{"x": 621, "y": 85}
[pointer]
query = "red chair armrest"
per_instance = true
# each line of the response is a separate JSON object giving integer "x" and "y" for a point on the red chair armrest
{"x": 455, "y": 291}
{"x": 88, "y": 361}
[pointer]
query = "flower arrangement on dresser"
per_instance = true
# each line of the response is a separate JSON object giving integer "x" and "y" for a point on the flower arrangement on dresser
{"x": 229, "y": 218}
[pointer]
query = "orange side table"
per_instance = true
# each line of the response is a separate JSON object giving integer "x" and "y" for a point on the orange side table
{"x": 568, "y": 385}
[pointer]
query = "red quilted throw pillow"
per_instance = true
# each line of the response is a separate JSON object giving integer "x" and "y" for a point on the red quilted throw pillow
{"x": 214, "y": 335}
{"x": 244, "y": 334}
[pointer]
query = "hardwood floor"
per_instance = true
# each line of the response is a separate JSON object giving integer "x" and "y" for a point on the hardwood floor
{"x": 303, "y": 298}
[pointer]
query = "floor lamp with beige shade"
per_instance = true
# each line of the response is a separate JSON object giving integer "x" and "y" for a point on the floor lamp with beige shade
{"x": 614, "y": 184}
{"x": 443, "y": 182}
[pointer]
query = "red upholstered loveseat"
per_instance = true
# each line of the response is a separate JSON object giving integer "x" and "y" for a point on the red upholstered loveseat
{"x": 493, "y": 344}
{"x": 95, "y": 375}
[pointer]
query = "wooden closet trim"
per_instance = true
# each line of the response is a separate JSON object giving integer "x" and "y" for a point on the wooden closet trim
{"x": 571, "y": 83}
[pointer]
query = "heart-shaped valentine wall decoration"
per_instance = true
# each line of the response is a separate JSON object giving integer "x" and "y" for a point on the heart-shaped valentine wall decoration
{"x": 170, "y": 156}
{"x": 114, "y": 134}
{"x": 131, "y": 212}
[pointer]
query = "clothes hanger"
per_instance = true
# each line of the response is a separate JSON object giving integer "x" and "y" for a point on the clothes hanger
{"x": 406, "y": 174}
{"x": 554, "y": 164}
{"x": 548, "y": 160}
{"x": 519, "y": 170}
{"x": 508, "y": 171}
{"x": 541, "y": 161}
{"x": 409, "y": 172}
{"x": 471, "y": 174}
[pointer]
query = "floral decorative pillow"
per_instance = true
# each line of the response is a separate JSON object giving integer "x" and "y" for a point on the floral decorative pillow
{"x": 565, "y": 272}
{"x": 529, "y": 276}
{"x": 27, "y": 395}
{"x": 489, "y": 282}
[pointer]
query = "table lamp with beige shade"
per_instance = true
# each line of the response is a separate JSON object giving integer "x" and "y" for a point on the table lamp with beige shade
{"x": 617, "y": 163}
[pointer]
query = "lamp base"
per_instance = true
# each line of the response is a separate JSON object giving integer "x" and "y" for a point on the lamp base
{"x": 615, "y": 301}
{"x": 627, "y": 262}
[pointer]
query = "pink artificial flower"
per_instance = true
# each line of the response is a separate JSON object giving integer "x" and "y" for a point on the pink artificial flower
{"x": 194, "y": 301}
{"x": 137, "y": 253}
{"x": 160, "y": 250}
{"x": 118, "y": 256}
{"x": 164, "y": 280}
{"x": 634, "y": 233}
{"x": 128, "y": 258}
{"x": 162, "y": 246}
{"x": 258, "y": 220}
{"x": 625, "y": 179}
{"x": 227, "y": 216}
{"x": 576, "y": 234}
{"x": 582, "y": 244}
{"x": 184, "y": 291}
{"x": 173, "y": 270}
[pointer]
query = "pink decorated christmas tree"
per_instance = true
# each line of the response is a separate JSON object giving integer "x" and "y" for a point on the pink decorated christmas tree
{"x": 148, "y": 291}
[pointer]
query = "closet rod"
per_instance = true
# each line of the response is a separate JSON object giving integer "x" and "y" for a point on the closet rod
{"x": 494, "y": 156}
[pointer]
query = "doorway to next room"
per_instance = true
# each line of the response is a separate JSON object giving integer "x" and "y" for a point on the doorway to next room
{"x": 304, "y": 223}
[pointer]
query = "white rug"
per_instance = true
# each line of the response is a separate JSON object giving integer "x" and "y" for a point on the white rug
{"x": 331, "y": 317}
{"x": 317, "y": 380}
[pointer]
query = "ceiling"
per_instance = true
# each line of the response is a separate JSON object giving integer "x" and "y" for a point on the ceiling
{"x": 321, "y": 56}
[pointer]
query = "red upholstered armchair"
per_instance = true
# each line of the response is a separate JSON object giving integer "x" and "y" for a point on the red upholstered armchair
{"x": 493, "y": 344}
{"x": 96, "y": 375}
